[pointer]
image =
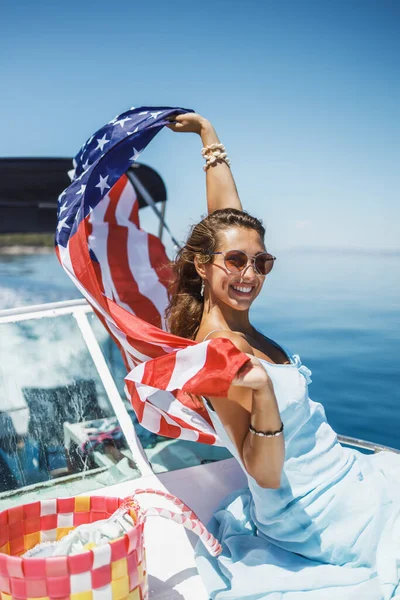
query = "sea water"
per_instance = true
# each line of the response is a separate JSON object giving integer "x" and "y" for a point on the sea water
{"x": 340, "y": 311}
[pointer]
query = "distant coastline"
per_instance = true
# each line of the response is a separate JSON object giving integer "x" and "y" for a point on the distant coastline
{"x": 43, "y": 243}
{"x": 17, "y": 250}
{"x": 26, "y": 243}
{"x": 332, "y": 250}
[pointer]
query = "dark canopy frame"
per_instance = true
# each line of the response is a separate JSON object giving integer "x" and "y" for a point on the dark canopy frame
{"x": 29, "y": 188}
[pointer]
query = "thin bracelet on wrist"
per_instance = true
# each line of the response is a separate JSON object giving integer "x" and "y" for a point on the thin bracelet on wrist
{"x": 266, "y": 433}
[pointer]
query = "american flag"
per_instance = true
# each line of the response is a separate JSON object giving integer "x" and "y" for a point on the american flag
{"x": 123, "y": 272}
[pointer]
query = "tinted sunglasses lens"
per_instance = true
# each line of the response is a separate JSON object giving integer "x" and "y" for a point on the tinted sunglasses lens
{"x": 235, "y": 261}
{"x": 264, "y": 263}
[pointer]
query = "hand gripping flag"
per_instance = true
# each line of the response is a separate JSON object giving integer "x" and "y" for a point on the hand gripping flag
{"x": 124, "y": 273}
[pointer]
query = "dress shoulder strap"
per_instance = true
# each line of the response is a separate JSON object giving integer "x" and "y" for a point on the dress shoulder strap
{"x": 213, "y": 331}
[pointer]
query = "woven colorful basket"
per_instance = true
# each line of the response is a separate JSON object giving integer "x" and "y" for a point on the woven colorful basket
{"x": 113, "y": 571}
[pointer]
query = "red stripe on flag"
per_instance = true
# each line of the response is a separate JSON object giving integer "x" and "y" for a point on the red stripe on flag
{"x": 95, "y": 264}
{"x": 99, "y": 278}
{"x": 206, "y": 438}
{"x": 114, "y": 195}
{"x": 160, "y": 371}
{"x": 82, "y": 263}
{"x": 136, "y": 402}
{"x": 159, "y": 261}
{"x": 134, "y": 216}
{"x": 117, "y": 250}
{"x": 149, "y": 350}
{"x": 168, "y": 429}
{"x": 136, "y": 329}
{"x": 193, "y": 403}
{"x": 115, "y": 340}
{"x": 222, "y": 363}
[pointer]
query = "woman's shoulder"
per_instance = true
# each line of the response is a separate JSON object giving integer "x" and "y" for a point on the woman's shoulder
{"x": 236, "y": 337}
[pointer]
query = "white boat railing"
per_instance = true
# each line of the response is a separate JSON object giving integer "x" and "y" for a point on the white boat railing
{"x": 79, "y": 309}
{"x": 364, "y": 445}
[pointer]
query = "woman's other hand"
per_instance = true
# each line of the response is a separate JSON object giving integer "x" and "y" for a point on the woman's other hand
{"x": 252, "y": 375}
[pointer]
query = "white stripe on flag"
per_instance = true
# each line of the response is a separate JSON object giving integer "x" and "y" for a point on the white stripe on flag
{"x": 142, "y": 270}
{"x": 138, "y": 252}
{"x": 125, "y": 204}
{"x": 124, "y": 342}
{"x": 167, "y": 402}
{"x": 66, "y": 263}
{"x": 97, "y": 242}
{"x": 151, "y": 418}
{"x": 188, "y": 363}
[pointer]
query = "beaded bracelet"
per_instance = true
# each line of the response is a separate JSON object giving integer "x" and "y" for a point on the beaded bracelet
{"x": 213, "y": 154}
{"x": 212, "y": 148}
{"x": 266, "y": 433}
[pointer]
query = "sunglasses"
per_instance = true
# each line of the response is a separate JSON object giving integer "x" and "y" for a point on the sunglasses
{"x": 236, "y": 261}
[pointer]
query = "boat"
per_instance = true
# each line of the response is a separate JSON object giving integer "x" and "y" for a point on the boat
{"x": 66, "y": 427}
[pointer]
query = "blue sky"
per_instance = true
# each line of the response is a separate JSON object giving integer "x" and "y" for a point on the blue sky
{"x": 304, "y": 94}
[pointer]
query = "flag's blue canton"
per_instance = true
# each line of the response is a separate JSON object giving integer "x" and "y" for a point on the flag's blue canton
{"x": 104, "y": 158}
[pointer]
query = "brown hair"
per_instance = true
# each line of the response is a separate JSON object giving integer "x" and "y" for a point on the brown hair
{"x": 185, "y": 308}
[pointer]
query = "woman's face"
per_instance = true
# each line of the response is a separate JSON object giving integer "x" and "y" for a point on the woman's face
{"x": 237, "y": 290}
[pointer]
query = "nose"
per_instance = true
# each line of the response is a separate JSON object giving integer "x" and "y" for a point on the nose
{"x": 250, "y": 264}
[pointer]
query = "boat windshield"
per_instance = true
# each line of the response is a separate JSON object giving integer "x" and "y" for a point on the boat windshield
{"x": 65, "y": 421}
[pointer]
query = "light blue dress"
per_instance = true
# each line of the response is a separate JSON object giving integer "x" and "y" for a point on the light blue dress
{"x": 332, "y": 530}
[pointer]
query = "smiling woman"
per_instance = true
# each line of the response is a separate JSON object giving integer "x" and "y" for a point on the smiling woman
{"x": 317, "y": 518}
{"x": 199, "y": 276}
{"x": 237, "y": 273}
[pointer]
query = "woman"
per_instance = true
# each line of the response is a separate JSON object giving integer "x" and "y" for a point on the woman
{"x": 318, "y": 520}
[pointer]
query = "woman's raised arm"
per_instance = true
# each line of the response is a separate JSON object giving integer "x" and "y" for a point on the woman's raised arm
{"x": 221, "y": 187}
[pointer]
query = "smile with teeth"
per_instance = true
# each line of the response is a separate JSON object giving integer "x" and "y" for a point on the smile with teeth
{"x": 244, "y": 289}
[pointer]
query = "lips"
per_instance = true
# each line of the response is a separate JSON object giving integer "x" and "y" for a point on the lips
{"x": 243, "y": 290}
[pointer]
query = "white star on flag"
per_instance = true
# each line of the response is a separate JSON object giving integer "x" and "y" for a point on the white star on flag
{"x": 80, "y": 176}
{"x": 103, "y": 185}
{"x": 83, "y": 188}
{"x": 61, "y": 195}
{"x": 85, "y": 165}
{"x": 155, "y": 114}
{"x": 136, "y": 153}
{"x": 134, "y": 131}
{"x": 62, "y": 223}
{"x": 122, "y": 122}
{"x": 63, "y": 207}
{"x": 101, "y": 142}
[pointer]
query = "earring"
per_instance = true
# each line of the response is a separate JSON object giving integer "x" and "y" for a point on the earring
{"x": 202, "y": 288}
